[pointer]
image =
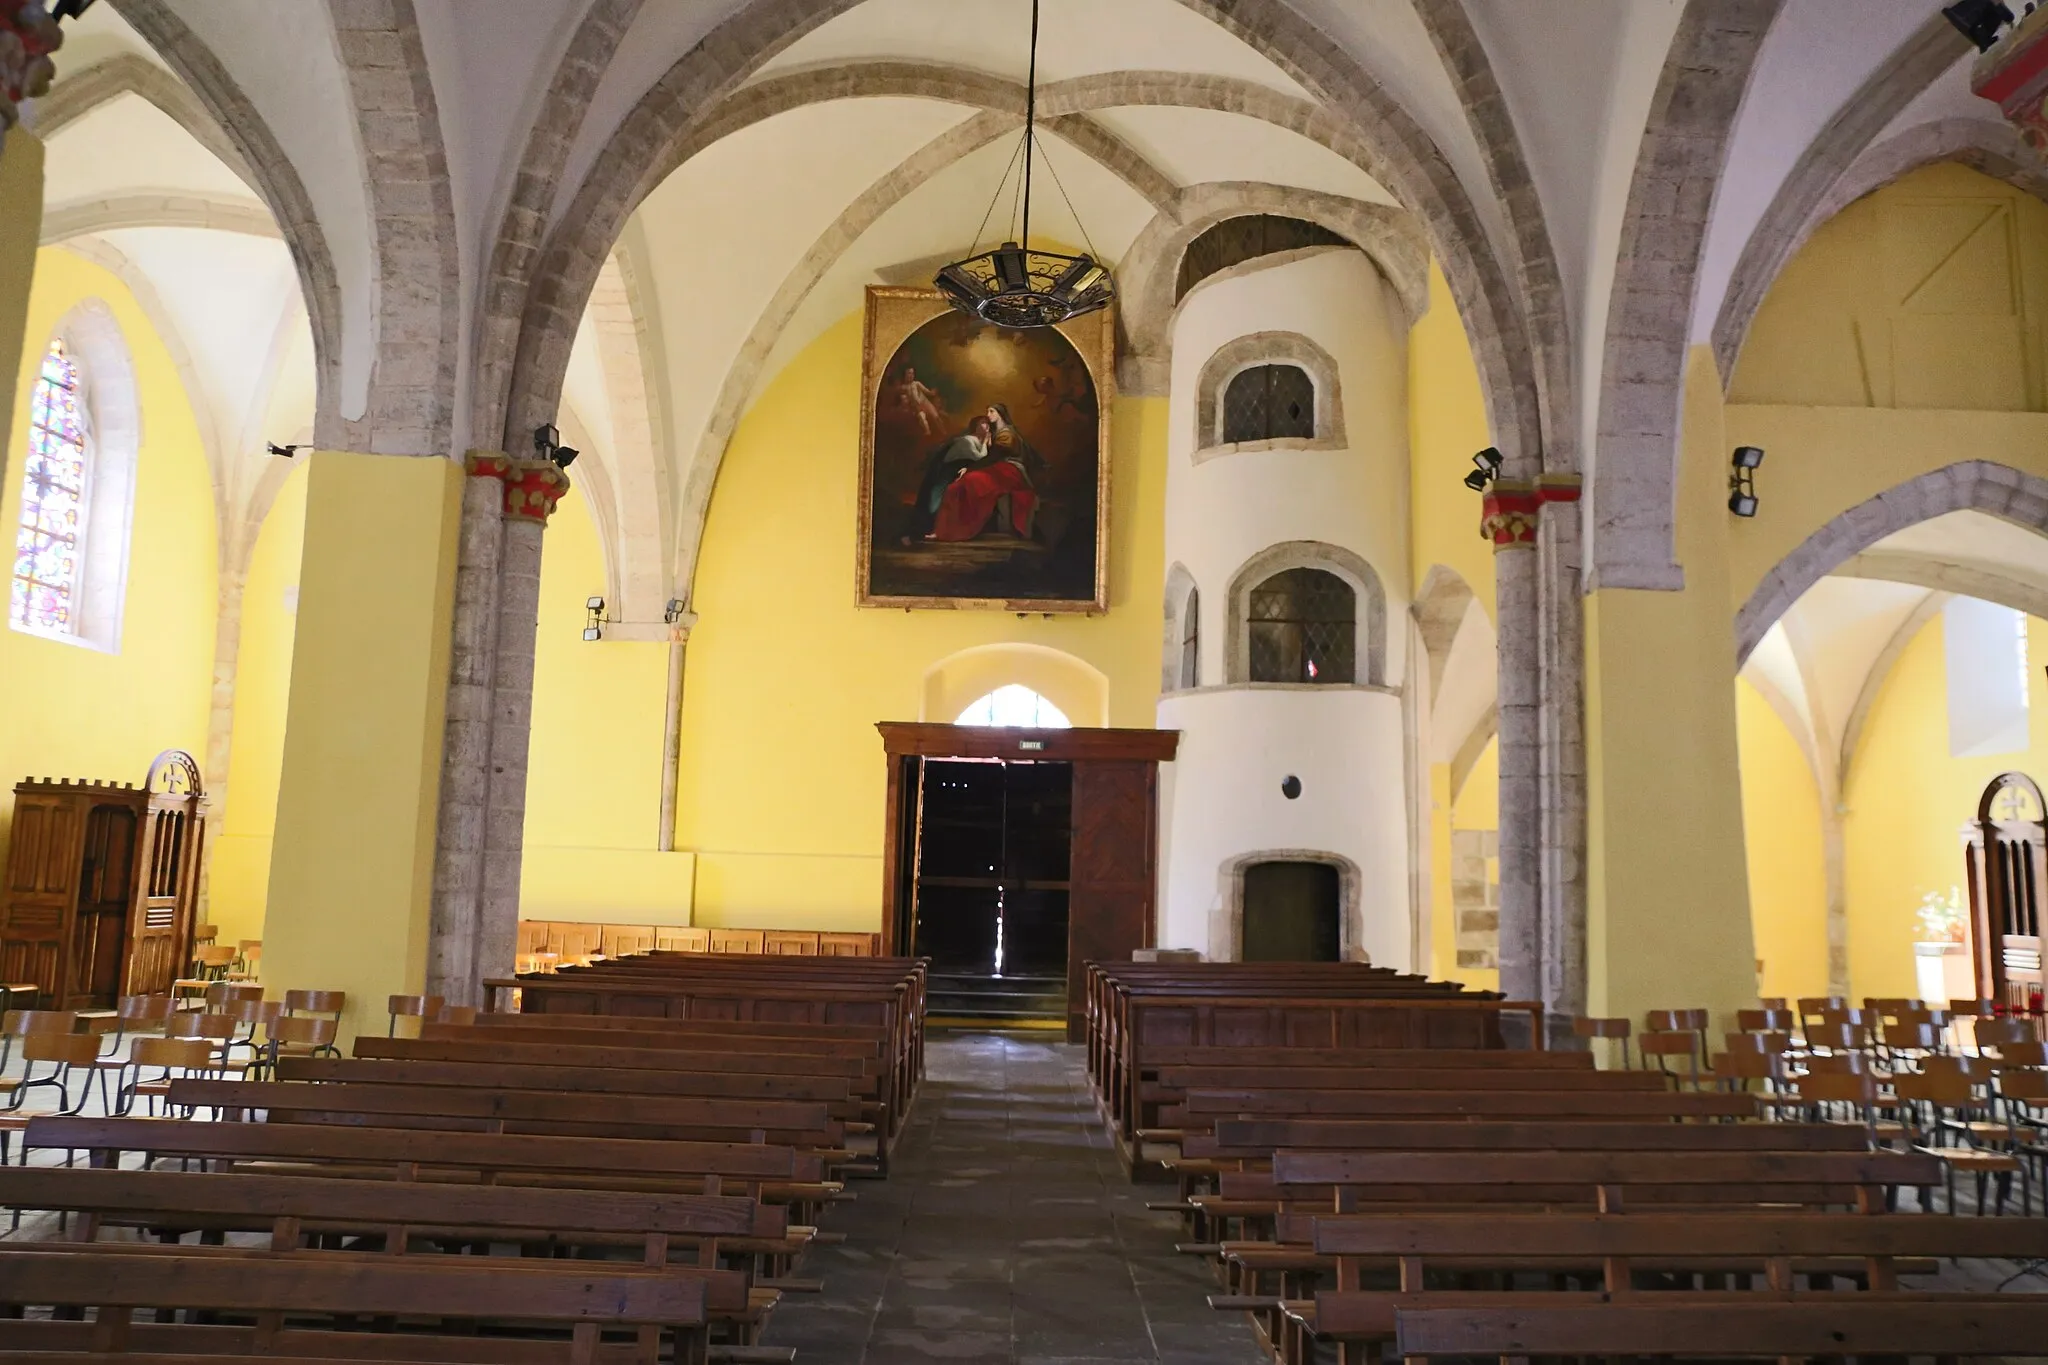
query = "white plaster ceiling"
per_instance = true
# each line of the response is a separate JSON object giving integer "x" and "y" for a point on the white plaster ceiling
{"x": 1193, "y": 146}
{"x": 1974, "y": 540}
{"x": 1076, "y": 38}
{"x": 128, "y": 146}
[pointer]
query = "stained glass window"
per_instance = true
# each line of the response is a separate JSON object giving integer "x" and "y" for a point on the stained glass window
{"x": 43, "y": 595}
{"x": 1304, "y": 628}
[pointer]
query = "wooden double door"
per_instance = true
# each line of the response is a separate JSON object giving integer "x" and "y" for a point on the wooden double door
{"x": 1109, "y": 782}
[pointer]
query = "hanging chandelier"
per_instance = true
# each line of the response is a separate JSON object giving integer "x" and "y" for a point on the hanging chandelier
{"x": 1018, "y": 285}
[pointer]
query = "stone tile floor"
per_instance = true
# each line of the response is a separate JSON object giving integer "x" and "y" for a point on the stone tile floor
{"x": 1006, "y": 1231}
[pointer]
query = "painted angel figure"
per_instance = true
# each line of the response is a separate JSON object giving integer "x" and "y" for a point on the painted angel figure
{"x": 917, "y": 400}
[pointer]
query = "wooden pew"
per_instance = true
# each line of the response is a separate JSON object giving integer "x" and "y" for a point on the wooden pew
{"x": 577, "y": 1304}
{"x": 786, "y": 1123}
{"x": 300, "y": 1212}
{"x": 833, "y": 1091}
{"x": 779, "y": 1174}
{"x": 1609, "y": 1252}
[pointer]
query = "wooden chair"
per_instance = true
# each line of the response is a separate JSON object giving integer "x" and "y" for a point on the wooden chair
{"x": 533, "y": 937}
{"x": 576, "y": 943}
{"x": 1764, "y": 1020}
{"x": 1693, "y": 1022}
{"x": 214, "y": 1029}
{"x": 420, "y": 1007}
{"x": 327, "y": 1004}
{"x": 248, "y": 963}
{"x": 455, "y": 1014}
{"x": 221, "y": 994}
{"x": 678, "y": 939}
{"x": 1737, "y": 1067}
{"x": 1583, "y": 1027}
{"x": 737, "y": 940}
{"x": 138, "y": 1014}
{"x": 65, "y": 1054}
{"x": 21, "y": 1023}
{"x": 299, "y": 1036}
{"x": 626, "y": 940}
{"x": 1947, "y": 1102}
{"x": 211, "y": 961}
{"x": 1996, "y": 1032}
{"x": 1664, "y": 1043}
{"x": 254, "y": 1016}
{"x": 187, "y": 1056}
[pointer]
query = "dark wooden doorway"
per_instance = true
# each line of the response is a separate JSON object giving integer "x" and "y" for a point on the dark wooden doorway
{"x": 2007, "y": 852}
{"x": 992, "y": 845}
{"x": 1291, "y": 913}
{"x": 1112, "y": 789}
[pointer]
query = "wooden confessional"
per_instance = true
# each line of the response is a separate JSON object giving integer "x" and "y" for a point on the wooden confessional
{"x": 2007, "y": 851}
{"x": 102, "y": 884}
{"x": 1111, "y": 878}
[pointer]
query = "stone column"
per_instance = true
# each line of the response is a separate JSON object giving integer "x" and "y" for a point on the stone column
{"x": 505, "y": 504}
{"x": 1562, "y": 734}
{"x": 532, "y": 489}
{"x": 220, "y": 719}
{"x": 1510, "y": 519}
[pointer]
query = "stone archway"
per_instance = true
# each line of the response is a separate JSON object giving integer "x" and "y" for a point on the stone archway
{"x": 1226, "y": 920}
{"x": 1969, "y": 485}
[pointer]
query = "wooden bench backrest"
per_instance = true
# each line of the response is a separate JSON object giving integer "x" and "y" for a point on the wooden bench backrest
{"x": 1265, "y": 1136}
{"x": 1589, "y": 1237}
{"x": 1605, "y": 1168}
{"x": 625, "y": 1054}
{"x": 565, "y": 1079}
{"x": 1363, "y": 1104}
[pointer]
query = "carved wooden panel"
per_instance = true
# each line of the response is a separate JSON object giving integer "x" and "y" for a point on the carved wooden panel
{"x": 1111, "y": 871}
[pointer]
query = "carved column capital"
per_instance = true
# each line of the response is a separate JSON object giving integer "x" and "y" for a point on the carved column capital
{"x": 487, "y": 464}
{"x": 532, "y": 488}
{"x": 1508, "y": 516}
{"x": 2014, "y": 76}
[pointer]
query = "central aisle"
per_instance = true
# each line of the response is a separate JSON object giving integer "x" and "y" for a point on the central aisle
{"x": 1006, "y": 1232}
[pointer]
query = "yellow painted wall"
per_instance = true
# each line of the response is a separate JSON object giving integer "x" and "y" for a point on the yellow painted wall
{"x": 1668, "y": 922}
{"x": 1908, "y": 801}
{"x": 1446, "y": 426}
{"x": 1781, "y": 818}
{"x": 593, "y": 787}
{"x": 114, "y": 711}
{"x": 782, "y": 780}
{"x": 263, "y": 680}
{"x": 351, "y": 872}
{"x": 1476, "y": 807}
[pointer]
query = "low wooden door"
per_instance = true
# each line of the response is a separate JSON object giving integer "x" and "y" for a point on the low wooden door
{"x": 42, "y": 862}
{"x": 106, "y": 885}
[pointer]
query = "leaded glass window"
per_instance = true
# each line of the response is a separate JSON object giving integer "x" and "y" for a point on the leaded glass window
{"x": 1269, "y": 403}
{"x": 1303, "y": 628}
{"x": 47, "y": 558}
{"x": 1191, "y": 640}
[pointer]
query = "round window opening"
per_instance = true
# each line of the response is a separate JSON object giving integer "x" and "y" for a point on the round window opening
{"x": 1290, "y": 786}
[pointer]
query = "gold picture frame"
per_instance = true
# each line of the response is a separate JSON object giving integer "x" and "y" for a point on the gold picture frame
{"x": 1029, "y": 530}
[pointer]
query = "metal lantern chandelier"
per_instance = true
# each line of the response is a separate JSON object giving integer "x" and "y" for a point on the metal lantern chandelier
{"x": 1019, "y": 286}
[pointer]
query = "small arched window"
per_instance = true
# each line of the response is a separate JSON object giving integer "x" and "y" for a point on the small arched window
{"x": 1269, "y": 403}
{"x": 1191, "y": 640}
{"x": 1017, "y": 705}
{"x": 1303, "y": 628}
{"x": 49, "y": 550}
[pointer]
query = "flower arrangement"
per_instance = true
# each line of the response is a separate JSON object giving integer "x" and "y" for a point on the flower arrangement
{"x": 1941, "y": 916}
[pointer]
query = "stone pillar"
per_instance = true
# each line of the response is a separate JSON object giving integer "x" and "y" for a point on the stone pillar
{"x": 505, "y": 505}
{"x": 1510, "y": 519}
{"x": 220, "y": 719}
{"x": 1562, "y": 734}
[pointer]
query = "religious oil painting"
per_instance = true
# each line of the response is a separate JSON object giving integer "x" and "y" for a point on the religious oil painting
{"x": 984, "y": 459}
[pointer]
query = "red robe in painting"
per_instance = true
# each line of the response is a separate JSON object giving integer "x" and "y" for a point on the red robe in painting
{"x": 970, "y": 500}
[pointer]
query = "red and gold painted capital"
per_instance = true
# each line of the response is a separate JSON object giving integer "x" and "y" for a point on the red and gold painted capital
{"x": 1508, "y": 515}
{"x": 2014, "y": 76}
{"x": 532, "y": 487}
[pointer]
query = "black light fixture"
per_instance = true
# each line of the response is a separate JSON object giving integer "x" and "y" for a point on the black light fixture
{"x": 547, "y": 443}
{"x": 1016, "y": 285}
{"x": 673, "y": 612}
{"x": 1742, "y": 482}
{"x": 1978, "y": 20}
{"x": 1486, "y": 469}
{"x": 283, "y": 452}
{"x": 69, "y": 9}
{"x": 593, "y": 628}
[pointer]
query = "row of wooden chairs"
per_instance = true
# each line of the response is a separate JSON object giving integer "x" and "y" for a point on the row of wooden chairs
{"x": 1491, "y": 1202}
{"x": 707, "y": 1146}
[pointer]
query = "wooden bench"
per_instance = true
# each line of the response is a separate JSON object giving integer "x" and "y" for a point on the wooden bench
{"x": 577, "y": 1303}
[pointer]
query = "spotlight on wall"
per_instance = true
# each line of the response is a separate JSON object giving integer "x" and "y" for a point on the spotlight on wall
{"x": 547, "y": 443}
{"x": 1742, "y": 482}
{"x": 673, "y": 612}
{"x": 593, "y": 628}
{"x": 284, "y": 452}
{"x": 1978, "y": 20}
{"x": 69, "y": 9}
{"x": 1486, "y": 469}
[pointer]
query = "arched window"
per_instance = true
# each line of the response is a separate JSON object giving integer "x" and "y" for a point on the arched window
{"x": 1269, "y": 403}
{"x": 1191, "y": 640}
{"x": 1303, "y": 628}
{"x": 48, "y": 545}
{"x": 77, "y": 485}
{"x": 1014, "y": 704}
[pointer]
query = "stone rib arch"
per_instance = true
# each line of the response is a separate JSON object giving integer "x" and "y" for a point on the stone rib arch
{"x": 416, "y": 309}
{"x": 1969, "y": 485}
{"x": 216, "y": 213}
{"x": 1151, "y": 267}
{"x": 1371, "y": 650}
{"x": 81, "y": 92}
{"x": 271, "y": 174}
{"x": 1631, "y": 503}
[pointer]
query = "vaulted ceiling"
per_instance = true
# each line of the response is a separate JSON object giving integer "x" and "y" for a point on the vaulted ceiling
{"x": 646, "y": 209}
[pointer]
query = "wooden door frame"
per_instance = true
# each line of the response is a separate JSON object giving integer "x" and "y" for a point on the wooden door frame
{"x": 924, "y": 739}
